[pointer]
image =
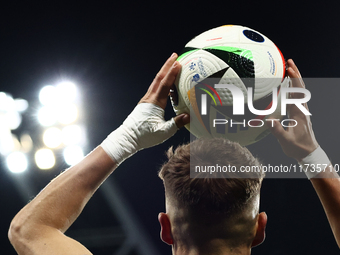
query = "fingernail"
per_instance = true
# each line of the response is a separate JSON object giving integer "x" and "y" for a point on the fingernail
{"x": 173, "y": 55}
{"x": 175, "y": 64}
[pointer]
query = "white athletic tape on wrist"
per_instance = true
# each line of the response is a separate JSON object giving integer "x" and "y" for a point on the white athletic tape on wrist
{"x": 143, "y": 128}
{"x": 315, "y": 163}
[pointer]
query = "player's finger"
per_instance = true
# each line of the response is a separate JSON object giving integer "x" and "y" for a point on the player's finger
{"x": 167, "y": 82}
{"x": 277, "y": 130}
{"x": 165, "y": 68}
{"x": 296, "y": 79}
{"x": 154, "y": 87}
{"x": 291, "y": 64}
{"x": 182, "y": 119}
{"x": 297, "y": 82}
{"x": 294, "y": 74}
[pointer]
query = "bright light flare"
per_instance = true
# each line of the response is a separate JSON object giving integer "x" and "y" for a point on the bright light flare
{"x": 58, "y": 104}
{"x": 47, "y": 116}
{"x": 67, "y": 114}
{"x": 21, "y": 105}
{"x": 52, "y": 137}
{"x": 45, "y": 159}
{"x": 13, "y": 120}
{"x": 73, "y": 154}
{"x": 26, "y": 143}
{"x": 17, "y": 162}
{"x": 67, "y": 92}
{"x": 48, "y": 95}
{"x": 10, "y": 109}
{"x": 73, "y": 135}
{"x": 6, "y": 102}
{"x": 64, "y": 114}
{"x": 6, "y": 141}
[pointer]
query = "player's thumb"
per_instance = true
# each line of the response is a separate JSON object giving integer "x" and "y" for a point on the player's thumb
{"x": 276, "y": 129}
{"x": 182, "y": 119}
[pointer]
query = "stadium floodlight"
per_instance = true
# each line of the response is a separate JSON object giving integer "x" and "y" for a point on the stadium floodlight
{"x": 64, "y": 114}
{"x": 20, "y": 104}
{"x": 10, "y": 119}
{"x": 73, "y": 154}
{"x": 67, "y": 92}
{"x": 58, "y": 104}
{"x": 6, "y": 140}
{"x": 26, "y": 143}
{"x": 16, "y": 143}
{"x": 47, "y": 95}
{"x": 47, "y": 116}
{"x": 73, "y": 135}
{"x": 13, "y": 119}
{"x": 17, "y": 162}
{"x": 3, "y": 101}
{"x": 52, "y": 137}
{"x": 44, "y": 159}
{"x": 67, "y": 113}
{"x": 60, "y": 113}
{"x": 10, "y": 109}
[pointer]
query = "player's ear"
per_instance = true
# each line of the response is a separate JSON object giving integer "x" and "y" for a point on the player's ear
{"x": 260, "y": 230}
{"x": 165, "y": 234}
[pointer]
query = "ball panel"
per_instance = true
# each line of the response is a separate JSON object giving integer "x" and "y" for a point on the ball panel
{"x": 215, "y": 36}
{"x": 254, "y": 36}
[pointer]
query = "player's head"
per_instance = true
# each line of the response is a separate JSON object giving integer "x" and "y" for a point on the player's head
{"x": 206, "y": 212}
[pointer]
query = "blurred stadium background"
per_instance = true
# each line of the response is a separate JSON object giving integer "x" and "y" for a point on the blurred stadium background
{"x": 89, "y": 64}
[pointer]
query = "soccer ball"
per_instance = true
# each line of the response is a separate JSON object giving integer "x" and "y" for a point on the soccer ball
{"x": 222, "y": 66}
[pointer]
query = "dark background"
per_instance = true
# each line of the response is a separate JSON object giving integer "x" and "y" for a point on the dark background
{"x": 112, "y": 50}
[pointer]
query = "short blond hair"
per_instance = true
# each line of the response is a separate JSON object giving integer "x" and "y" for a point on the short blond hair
{"x": 211, "y": 195}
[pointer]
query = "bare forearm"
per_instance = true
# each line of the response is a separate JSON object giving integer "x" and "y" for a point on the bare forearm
{"x": 38, "y": 227}
{"x": 60, "y": 203}
{"x": 327, "y": 187}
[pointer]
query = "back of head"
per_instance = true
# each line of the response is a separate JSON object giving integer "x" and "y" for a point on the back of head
{"x": 209, "y": 206}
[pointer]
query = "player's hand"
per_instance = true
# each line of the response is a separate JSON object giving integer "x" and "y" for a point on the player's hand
{"x": 159, "y": 89}
{"x": 299, "y": 141}
{"x": 145, "y": 126}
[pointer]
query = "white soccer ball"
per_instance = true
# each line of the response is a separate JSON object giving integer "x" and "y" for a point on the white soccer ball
{"x": 234, "y": 55}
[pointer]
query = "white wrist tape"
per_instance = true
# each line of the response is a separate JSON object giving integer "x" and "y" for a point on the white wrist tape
{"x": 143, "y": 128}
{"x": 315, "y": 163}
